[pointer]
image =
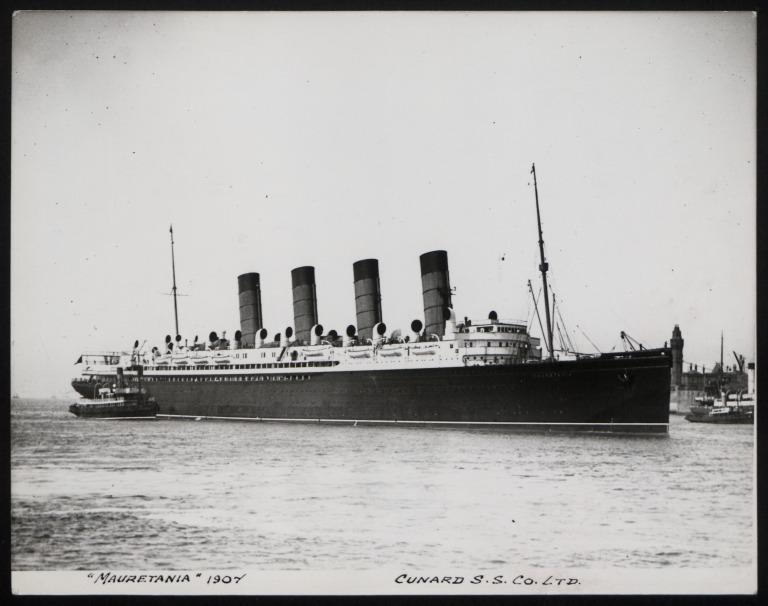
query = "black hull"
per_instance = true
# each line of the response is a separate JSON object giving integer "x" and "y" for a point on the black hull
{"x": 626, "y": 394}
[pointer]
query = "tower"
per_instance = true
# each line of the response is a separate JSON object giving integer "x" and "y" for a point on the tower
{"x": 676, "y": 345}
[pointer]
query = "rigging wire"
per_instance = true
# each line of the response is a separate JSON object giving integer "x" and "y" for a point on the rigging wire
{"x": 566, "y": 343}
{"x": 567, "y": 338}
{"x": 536, "y": 307}
{"x": 554, "y": 321}
{"x": 529, "y": 317}
{"x": 563, "y": 345}
{"x": 588, "y": 339}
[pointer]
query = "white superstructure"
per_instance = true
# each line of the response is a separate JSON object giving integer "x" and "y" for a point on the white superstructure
{"x": 492, "y": 342}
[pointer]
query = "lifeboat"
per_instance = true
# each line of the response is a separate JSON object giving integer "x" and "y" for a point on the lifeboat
{"x": 391, "y": 352}
{"x": 180, "y": 358}
{"x": 312, "y": 352}
{"x": 423, "y": 351}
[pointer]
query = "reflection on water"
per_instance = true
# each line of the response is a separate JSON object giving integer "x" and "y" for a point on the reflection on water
{"x": 181, "y": 494}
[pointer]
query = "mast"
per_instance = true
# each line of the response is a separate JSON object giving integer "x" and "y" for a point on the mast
{"x": 543, "y": 267}
{"x": 173, "y": 270}
{"x": 721, "y": 353}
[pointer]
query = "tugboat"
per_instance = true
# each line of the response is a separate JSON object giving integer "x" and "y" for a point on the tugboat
{"x": 729, "y": 408}
{"x": 117, "y": 402}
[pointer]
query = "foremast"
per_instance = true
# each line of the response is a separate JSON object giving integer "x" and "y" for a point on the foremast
{"x": 543, "y": 267}
{"x": 173, "y": 271}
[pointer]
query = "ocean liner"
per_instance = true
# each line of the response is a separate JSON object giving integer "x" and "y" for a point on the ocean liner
{"x": 442, "y": 373}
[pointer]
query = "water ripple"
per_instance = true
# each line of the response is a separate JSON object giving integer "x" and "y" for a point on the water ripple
{"x": 269, "y": 496}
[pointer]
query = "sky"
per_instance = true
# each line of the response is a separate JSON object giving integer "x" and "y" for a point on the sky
{"x": 275, "y": 140}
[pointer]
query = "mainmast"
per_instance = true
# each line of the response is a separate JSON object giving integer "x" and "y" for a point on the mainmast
{"x": 543, "y": 267}
{"x": 173, "y": 270}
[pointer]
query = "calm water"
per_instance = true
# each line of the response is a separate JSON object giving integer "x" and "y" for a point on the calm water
{"x": 182, "y": 494}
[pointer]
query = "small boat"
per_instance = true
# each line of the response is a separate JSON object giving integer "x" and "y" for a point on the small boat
{"x": 728, "y": 409}
{"x": 118, "y": 402}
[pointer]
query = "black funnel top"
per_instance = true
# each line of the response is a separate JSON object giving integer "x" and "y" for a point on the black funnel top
{"x": 302, "y": 275}
{"x": 367, "y": 268}
{"x": 248, "y": 281}
{"x": 437, "y": 260}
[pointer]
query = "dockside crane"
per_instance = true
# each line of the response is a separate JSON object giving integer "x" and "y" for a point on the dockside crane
{"x": 739, "y": 361}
